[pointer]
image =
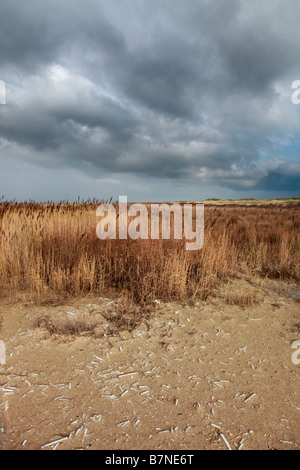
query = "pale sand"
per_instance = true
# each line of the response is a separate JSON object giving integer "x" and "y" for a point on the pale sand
{"x": 206, "y": 376}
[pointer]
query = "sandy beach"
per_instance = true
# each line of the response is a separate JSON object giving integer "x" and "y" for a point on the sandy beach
{"x": 204, "y": 375}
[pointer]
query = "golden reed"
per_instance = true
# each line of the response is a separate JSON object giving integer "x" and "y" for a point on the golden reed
{"x": 52, "y": 249}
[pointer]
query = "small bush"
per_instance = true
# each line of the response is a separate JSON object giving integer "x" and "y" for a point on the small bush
{"x": 243, "y": 300}
{"x": 78, "y": 326}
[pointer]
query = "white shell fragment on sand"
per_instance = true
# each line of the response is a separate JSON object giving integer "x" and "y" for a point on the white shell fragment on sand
{"x": 226, "y": 442}
{"x": 54, "y": 442}
{"x": 249, "y": 398}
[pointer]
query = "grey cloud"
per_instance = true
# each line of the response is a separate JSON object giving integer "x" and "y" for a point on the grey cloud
{"x": 168, "y": 90}
{"x": 282, "y": 182}
{"x": 33, "y": 34}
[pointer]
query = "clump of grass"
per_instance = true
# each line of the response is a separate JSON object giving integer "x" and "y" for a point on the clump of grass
{"x": 125, "y": 314}
{"x": 79, "y": 326}
{"x": 243, "y": 300}
{"x": 128, "y": 315}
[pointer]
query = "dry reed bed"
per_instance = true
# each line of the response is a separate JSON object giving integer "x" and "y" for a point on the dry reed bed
{"x": 52, "y": 249}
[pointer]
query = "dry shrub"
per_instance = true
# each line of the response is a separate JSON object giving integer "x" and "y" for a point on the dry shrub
{"x": 243, "y": 300}
{"x": 128, "y": 315}
{"x": 79, "y": 326}
{"x": 123, "y": 315}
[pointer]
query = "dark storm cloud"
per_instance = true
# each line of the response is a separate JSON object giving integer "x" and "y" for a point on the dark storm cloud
{"x": 283, "y": 178}
{"x": 35, "y": 33}
{"x": 195, "y": 91}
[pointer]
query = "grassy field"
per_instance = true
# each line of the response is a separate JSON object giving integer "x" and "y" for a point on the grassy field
{"x": 51, "y": 250}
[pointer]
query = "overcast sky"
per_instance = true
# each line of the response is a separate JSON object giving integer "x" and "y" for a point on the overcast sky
{"x": 153, "y": 99}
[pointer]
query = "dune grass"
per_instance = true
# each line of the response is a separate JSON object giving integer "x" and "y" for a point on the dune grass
{"x": 49, "y": 250}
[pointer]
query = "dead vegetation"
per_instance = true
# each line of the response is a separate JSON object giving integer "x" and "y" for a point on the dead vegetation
{"x": 51, "y": 251}
{"x": 79, "y": 326}
{"x": 123, "y": 314}
{"x": 128, "y": 315}
{"x": 243, "y": 300}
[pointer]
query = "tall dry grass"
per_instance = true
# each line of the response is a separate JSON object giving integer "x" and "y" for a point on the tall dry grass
{"x": 52, "y": 250}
